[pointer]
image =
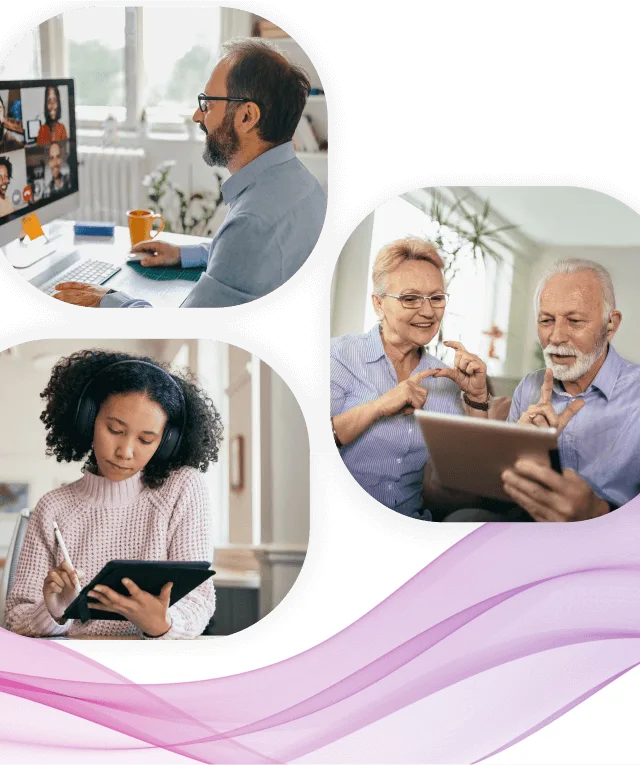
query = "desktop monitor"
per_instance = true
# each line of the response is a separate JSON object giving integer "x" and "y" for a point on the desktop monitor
{"x": 38, "y": 152}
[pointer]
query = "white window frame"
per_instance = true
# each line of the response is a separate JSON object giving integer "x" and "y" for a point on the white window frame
{"x": 54, "y": 63}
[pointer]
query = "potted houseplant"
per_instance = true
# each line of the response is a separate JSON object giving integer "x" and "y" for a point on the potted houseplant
{"x": 183, "y": 213}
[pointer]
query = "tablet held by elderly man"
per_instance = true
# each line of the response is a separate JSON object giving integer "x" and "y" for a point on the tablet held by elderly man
{"x": 378, "y": 379}
{"x": 588, "y": 392}
{"x": 249, "y": 111}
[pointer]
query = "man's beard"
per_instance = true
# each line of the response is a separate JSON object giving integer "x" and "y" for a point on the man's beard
{"x": 582, "y": 364}
{"x": 222, "y": 144}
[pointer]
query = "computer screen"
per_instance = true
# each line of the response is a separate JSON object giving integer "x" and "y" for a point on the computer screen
{"x": 38, "y": 151}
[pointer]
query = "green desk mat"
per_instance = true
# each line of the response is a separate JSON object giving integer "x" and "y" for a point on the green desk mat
{"x": 166, "y": 273}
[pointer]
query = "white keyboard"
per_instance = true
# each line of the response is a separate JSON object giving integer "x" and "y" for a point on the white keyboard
{"x": 90, "y": 272}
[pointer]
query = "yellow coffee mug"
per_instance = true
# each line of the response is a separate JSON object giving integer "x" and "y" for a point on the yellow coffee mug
{"x": 141, "y": 225}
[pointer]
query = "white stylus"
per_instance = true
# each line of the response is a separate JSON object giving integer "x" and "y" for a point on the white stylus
{"x": 65, "y": 552}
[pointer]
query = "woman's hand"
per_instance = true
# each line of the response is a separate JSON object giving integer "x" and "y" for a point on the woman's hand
{"x": 60, "y": 588}
{"x": 543, "y": 415}
{"x": 405, "y": 397}
{"x": 148, "y": 613}
{"x": 469, "y": 372}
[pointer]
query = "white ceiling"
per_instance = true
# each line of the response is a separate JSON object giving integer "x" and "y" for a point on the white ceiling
{"x": 565, "y": 215}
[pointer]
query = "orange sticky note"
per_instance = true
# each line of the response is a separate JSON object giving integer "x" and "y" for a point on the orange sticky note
{"x": 31, "y": 226}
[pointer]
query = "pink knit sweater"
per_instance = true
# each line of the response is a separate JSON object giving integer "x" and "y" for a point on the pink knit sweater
{"x": 101, "y": 520}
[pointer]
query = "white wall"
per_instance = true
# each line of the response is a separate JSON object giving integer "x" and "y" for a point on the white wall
{"x": 289, "y": 447}
{"x": 623, "y": 264}
{"x": 351, "y": 280}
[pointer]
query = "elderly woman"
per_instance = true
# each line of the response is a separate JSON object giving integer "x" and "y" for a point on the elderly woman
{"x": 378, "y": 379}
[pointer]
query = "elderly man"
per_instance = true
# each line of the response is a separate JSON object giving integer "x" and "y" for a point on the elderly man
{"x": 588, "y": 392}
{"x": 249, "y": 111}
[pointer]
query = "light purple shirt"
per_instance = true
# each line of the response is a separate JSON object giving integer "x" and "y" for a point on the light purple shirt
{"x": 388, "y": 459}
{"x": 601, "y": 443}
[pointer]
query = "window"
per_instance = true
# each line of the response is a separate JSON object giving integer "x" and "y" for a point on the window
{"x": 23, "y": 61}
{"x": 174, "y": 76}
{"x": 95, "y": 49}
{"x": 479, "y": 292}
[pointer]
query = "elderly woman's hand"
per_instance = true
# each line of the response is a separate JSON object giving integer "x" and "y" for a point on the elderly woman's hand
{"x": 469, "y": 372}
{"x": 405, "y": 397}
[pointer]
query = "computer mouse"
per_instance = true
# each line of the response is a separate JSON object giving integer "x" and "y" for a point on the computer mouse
{"x": 137, "y": 257}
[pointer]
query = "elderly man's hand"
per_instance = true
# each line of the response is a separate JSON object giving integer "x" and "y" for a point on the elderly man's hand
{"x": 469, "y": 372}
{"x": 543, "y": 415}
{"x": 80, "y": 294}
{"x": 549, "y": 496}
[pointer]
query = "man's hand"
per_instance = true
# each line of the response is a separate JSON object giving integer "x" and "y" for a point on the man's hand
{"x": 160, "y": 253}
{"x": 148, "y": 613}
{"x": 469, "y": 372}
{"x": 80, "y": 294}
{"x": 542, "y": 414}
{"x": 549, "y": 496}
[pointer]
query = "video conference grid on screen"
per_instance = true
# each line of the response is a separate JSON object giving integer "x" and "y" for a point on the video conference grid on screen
{"x": 38, "y": 161}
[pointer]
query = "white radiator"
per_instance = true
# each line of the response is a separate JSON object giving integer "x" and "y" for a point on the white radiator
{"x": 110, "y": 183}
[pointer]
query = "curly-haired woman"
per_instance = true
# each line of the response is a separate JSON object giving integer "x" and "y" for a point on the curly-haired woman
{"x": 144, "y": 434}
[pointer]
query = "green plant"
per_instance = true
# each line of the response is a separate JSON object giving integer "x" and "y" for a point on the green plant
{"x": 462, "y": 233}
{"x": 182, "y": 213}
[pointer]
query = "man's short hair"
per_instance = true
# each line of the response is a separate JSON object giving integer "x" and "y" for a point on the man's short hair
{"x": 260, "y": 73}
{"x": 575, "y": 266}
{"x": 60, "y": 146}
{"x": 7, "y": 163}
{"x": 398, "y": 252}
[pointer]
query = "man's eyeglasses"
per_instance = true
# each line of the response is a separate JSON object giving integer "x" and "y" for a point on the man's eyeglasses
{"x": 413, "y": 301}
{"x": 203, "y": 100}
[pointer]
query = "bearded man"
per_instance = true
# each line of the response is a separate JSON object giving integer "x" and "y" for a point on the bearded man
{"x": 588, "y": 393}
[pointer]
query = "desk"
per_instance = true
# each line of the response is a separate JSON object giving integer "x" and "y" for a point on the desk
{"x": 112, "y": 250}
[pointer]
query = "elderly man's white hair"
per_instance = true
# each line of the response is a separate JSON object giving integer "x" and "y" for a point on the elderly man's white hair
{"x": 574, "y": 266}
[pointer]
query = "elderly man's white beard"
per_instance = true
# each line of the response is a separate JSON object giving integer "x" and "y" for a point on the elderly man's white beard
{"x": 582, "y": 364}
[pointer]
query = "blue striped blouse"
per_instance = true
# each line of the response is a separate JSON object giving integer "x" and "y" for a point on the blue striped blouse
{"x": 388, "y": 459}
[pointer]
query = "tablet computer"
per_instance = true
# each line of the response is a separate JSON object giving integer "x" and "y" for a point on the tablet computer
{"x": 470, "y": 454}
{"x": 151, "y": 576}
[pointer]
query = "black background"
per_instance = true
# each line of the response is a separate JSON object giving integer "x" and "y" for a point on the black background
{"x": 407, "y": 90}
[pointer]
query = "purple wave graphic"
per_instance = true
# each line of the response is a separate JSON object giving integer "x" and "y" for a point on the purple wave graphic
{"x": 506, "y": 631}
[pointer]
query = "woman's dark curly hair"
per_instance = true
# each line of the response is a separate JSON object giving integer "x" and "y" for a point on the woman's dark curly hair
{"x": 203, "y": 431}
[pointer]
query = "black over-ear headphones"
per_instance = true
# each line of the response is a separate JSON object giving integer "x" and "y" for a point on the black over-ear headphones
{"x": 87, "y": 411}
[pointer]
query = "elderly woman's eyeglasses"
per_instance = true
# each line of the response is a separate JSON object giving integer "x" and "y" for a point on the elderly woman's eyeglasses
{"x": 413, "y": 301}
{"x": 203, "y": 100}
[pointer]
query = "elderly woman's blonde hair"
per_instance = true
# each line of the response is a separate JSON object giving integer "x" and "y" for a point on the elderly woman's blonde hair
{"x": 396, "y": 253}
